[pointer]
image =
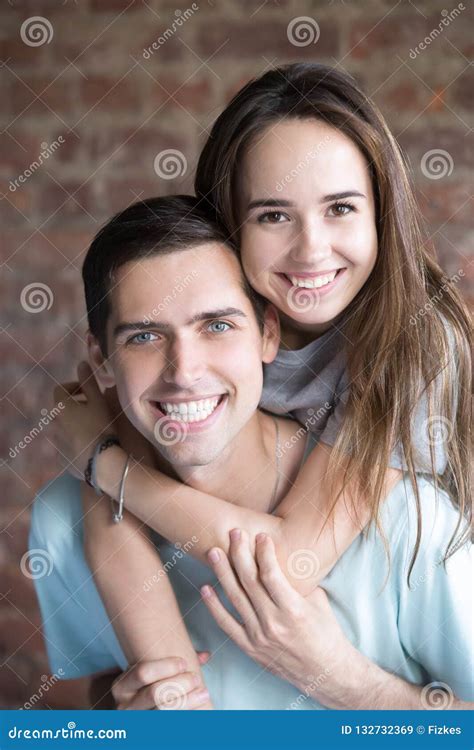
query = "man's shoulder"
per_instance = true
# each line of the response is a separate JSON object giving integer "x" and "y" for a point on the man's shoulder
{"x": 57, "y": 506}
{"x": 403, "y": 513}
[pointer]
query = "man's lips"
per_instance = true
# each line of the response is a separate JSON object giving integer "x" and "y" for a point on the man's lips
{"x": 190, "y": 421}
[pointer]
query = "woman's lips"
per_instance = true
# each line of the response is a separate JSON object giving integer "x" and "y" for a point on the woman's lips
{"x": 317, "y": 291}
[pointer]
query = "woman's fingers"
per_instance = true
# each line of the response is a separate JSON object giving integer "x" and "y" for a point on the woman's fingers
{"x": 232, "y": 588}
{"x": 224, "y": 619}
{"x": 179, "y": 692}
{"x": 146, "y": 673}
{"x": 271, "y": 575}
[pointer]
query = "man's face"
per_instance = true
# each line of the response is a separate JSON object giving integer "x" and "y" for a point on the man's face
{"x": 186, "y": 351}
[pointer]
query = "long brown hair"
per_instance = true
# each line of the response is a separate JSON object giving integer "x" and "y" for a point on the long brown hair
{"x": 412, "y": 328}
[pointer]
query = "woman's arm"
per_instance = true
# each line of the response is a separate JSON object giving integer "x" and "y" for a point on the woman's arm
{"x": 299, "y": 526}
{"x": 307, "y": 546}
{"x": 148, "y": 623}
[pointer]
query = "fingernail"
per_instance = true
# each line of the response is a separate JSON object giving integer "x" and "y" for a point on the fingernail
{"x": 214, "y": 555}
{"x": 202, "y": 695}
{"x": 196, "y": 680}
{"x": 235, "y": 535}
{"x": 260, "y": 538}
{"x": 206, "y": 592}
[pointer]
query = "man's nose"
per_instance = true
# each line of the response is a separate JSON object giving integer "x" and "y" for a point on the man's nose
{"x": 311, "y": 244}
{"x": 185, "y": 364}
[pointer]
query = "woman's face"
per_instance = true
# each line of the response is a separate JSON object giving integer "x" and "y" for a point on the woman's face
{"x": 308, "y": 234}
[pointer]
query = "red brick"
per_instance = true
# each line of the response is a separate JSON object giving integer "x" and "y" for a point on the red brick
{"x": 38, "y": 94}
{"x": 109, "y": 94}
{"x": 19, "y": 633}
{"x": 269, "y": 39}
{"x": 444, "y": 201}
{"x": 194, "y": 95}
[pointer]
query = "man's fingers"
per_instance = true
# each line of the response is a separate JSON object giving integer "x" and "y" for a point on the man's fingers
{"x": 224, "y": 619}
{"x": 146, "y": 673}
{"x": 243, "y": 560}
{"x": 232, "y": 588}
{"x": 270, "y": 573}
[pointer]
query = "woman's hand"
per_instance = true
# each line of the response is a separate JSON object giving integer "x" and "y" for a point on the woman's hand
{"x": 296, "y": 638}
{"x": 161, "y": 685}
{"x": 83, "y": 418}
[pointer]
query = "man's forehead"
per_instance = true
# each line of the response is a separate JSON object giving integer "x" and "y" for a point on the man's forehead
{"x": 173, "y": 288}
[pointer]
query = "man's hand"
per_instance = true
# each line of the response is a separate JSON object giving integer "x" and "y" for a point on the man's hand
{"x": 83, "y": 418}
{"x": 296, "y": 638}
{"x": 160, "y": 685}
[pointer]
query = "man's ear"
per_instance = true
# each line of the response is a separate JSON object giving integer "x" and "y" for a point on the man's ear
{"x": 271, "y": 334}
{"x": 101, "y": 367}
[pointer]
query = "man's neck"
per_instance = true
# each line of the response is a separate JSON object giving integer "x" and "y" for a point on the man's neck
{"x": 245, "y": 472}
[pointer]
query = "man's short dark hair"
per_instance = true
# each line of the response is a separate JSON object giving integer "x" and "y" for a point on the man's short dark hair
{"x": 156, "y": 226}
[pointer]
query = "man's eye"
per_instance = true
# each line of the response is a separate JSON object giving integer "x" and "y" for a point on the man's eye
{"x": 272, "y": 217}
{"x": 220, "y": 326}
{"x": 141, "y": 338}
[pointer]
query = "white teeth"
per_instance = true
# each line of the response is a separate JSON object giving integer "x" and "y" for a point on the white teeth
{"x": 190, "y": 411}
{"x": 314, "y": 283}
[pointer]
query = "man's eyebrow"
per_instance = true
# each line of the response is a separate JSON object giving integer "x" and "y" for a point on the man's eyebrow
{"x": 279, "y": 203}
{"x": 145, "y": 325}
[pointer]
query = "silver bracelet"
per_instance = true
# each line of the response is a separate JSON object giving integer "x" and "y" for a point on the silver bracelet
{"x": 117, "y": 517}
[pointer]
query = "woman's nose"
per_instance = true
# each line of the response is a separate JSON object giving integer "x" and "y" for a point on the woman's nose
{"x": 311, "y": 244}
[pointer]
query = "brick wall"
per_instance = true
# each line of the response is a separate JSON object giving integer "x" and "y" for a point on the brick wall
{"x": 82, "y": 88}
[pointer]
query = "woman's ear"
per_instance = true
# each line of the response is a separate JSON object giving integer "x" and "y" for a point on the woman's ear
{"x": 101, "y": 367}
{"x": 271, "y": 334}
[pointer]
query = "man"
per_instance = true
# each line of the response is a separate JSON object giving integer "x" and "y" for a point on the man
{"x": 156, "y": 338}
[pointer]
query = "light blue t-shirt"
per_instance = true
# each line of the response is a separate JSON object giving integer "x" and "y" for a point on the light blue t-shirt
{"x": 423, "y": 634}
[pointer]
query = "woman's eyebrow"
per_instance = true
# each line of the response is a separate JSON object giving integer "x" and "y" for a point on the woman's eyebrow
{"x": 280, "y": 203}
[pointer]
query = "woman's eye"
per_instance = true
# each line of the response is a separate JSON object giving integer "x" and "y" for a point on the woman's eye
{"x": 271, "y": 217}
{"x": 219, "y": 326}
{"x": 341, "y": 209}
{"x": 141, "y": 338}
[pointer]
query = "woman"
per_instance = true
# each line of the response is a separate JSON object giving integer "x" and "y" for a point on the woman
{"x": 304, "y": 172}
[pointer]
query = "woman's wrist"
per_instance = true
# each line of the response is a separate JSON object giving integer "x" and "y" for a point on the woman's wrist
{"x": 109, "y": 470}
